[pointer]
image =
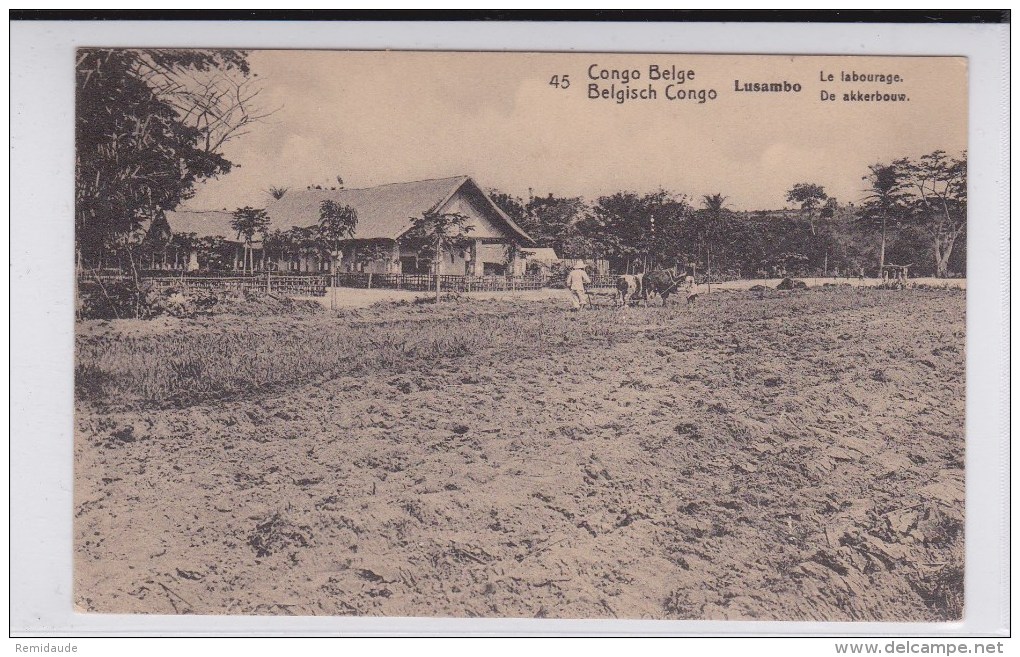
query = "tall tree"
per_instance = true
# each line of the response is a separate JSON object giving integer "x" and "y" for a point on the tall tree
{"x": 547, "y": 219}
{"x": 337, "y": 224}
{"x": 710, "y": 225}
{"x": 434, "y": 233}
{"x": 624, "y": 224}
{"x": 885, "y": 202}
{"x": 372, "y": 251}
{"x": 248, "y": 222}
{"x": 306, "y": 244}
{"x": 643, "y": 229}
{"x": 552, "y": 219}
{"x": 810, "y": 197}
{"x": 149, "y": 125}
{"x": 513, "y": 206}
{"x": 938, "y": 185}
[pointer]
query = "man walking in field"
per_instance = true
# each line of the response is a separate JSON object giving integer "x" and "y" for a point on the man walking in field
{"x": 576, "y": 280}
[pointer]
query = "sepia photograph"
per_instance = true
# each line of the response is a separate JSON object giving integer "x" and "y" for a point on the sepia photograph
{"x": 656, "y": 336}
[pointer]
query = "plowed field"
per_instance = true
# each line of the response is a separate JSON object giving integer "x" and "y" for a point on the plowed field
{"x": 792, "y": 456}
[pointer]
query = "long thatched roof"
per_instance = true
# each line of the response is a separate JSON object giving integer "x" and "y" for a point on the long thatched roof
{"x": 386, "y": 211}
{"x": 203, "y": 223}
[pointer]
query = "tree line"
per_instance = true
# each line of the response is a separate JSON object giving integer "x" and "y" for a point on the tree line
{"x": 914, "y": 212}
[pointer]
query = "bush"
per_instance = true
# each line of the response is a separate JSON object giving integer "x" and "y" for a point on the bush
{"x": 791, "y": 284}
{"x": 122, "y": 299}
{"x": 117, "y": 299}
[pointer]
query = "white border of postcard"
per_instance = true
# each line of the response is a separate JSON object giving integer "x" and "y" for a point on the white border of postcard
{"x": 42, "y": 201}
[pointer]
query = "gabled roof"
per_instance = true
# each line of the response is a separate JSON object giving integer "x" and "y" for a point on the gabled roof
{"x": 204, "y": 223}
{"x": 385, "y": 211}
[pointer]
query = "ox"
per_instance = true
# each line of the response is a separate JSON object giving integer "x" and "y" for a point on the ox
{"x": 631, "y": 286}
{"x": 665, "y": 282}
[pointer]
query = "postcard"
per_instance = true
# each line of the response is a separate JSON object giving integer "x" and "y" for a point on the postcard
{"x": 520, "y": 334}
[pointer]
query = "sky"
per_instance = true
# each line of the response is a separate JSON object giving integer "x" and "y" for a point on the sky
{"x": 375, "y": 117}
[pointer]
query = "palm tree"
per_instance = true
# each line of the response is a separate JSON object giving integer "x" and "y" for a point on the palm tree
{"x": 248, "y": 222}
{"x": 885, "y": 199}
{"x": 714, "y": 207}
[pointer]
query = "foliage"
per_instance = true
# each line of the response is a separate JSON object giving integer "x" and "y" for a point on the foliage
{"x": 367, "y": 252}
{"x": 711, "y": 227}
{"x": 642, "y": 231}
{"x": 116, "y": 299}
{"x": 249, "y": 222}
{"x": 337, "y": 224}
{"x": 514, "y": 207}
{"x": 119, "y": 299}
{"x": 938, "y": 201}
{"x": 214, "y": 253}
{"x": 810, "y": 197}
{"x": 839, "y": 238}
{"x": 184, "y": 242}
{"x": 885, "y": 203}
{"x": 913, "y": 211}
{"x": 277, "y": 245}
{"x": 435, "y": 232}
{"x": 550, "y": 220}
{"x": 149, "y": 125}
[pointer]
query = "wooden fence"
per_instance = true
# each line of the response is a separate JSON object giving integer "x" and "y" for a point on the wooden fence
{"x": 271, "y": 283}
{"x": 316, "y": 284}
{"x": 603, "y": 281}
{"x": 448, "y": 283}
{"x": 293, "y": 285}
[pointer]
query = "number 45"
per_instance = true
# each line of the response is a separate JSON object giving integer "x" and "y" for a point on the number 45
{"x": 560, "y": 81}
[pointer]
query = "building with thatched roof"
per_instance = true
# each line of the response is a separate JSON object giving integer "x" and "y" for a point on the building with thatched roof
{"x": 385, "y": 215}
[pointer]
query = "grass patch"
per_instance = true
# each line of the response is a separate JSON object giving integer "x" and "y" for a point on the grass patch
{"x": 228, "y": 356}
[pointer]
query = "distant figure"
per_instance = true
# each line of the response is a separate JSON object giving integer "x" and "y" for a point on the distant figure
{"x": 576, "y": 280}
{"x": 692, "y": 295}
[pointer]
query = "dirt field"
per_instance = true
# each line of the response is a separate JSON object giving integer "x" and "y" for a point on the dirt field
{"x": 797, "y": 456}
{"x": 362, "y": 298}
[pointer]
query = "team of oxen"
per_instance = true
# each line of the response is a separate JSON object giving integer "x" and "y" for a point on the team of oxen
{"x": 657, "y": 283}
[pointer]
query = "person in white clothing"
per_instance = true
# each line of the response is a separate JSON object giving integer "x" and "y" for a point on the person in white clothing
{"x": 576, "y": 280}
